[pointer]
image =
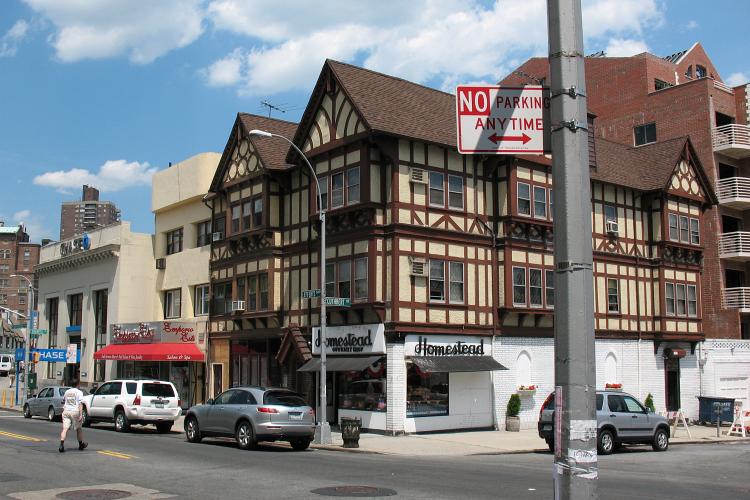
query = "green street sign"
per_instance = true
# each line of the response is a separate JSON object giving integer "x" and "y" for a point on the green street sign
{"x": 336, "y": 301}
{"x": 19, "y": 326}
{"x": 310, "y": 294}
{"x": 38, "y": 332}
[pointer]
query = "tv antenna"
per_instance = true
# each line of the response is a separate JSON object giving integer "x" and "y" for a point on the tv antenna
{"x": 271, "y": 107}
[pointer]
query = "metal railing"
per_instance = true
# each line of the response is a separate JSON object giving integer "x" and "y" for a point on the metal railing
{"x": 735, "y": 243}
{"x": 723, "y": 86}
{"x": 736, "y": 298}
{"x": 733, "y": 188}
{"x": 732, "y": 134}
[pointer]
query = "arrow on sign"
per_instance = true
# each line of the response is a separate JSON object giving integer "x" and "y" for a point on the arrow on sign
{"x": 498, "y": 138}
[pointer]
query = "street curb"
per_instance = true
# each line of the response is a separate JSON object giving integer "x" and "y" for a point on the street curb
{"x": 349, "y": 450}
{"x": 14, "y": 410}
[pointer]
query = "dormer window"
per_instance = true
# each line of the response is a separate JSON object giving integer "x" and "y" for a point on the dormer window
{"x": 700, "y": 71}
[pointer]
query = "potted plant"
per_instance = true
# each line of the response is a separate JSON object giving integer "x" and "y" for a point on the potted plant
{"x": 512, "y": 421}
{"x": 613, "y": 386}
{"x": 526, "y": 390}
{"x": 650, "y": 403}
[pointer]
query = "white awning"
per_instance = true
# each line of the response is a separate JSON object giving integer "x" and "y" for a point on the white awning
{"x": 340, "y": 363}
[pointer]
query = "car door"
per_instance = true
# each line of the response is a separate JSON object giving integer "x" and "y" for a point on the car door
{"x": 629, "y": 424}
{"x": 35, "y": 403}
{"x": 640, "y": 425}
{"x": 100, "y": 400}
{"x": 44, "y": 401}
{"x": 216, "y": 413}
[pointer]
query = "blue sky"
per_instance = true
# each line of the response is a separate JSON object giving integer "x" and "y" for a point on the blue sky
{"x": 108, "y": 92}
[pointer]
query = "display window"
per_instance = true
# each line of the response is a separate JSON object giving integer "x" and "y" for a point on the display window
{"x": 426, "y": 393}
{"x": 364, "y": 390}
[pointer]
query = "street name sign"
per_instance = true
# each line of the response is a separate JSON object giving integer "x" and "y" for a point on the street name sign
{"x": 336, "y": 301}
{"x": 38, "y": 332}
{"x": 503, "y": 120}
{"x": 310, "y": 294}
{"x": 19, "y": 326}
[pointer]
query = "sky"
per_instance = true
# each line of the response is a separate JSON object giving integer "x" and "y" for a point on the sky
{"x": 108, "y": 92}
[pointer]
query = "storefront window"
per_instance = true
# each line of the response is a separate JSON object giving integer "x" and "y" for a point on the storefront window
{"x": 365, "y": 390}
{"x": 426, "y": 393}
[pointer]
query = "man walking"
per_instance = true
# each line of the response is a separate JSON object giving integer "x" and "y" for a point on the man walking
{"x": 72, "y": 415}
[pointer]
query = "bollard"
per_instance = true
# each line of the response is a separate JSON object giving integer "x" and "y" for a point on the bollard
{"x": 2, "y": 400}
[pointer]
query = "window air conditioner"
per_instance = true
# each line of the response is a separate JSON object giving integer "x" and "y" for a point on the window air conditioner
{"x": 238, "y": 305}
{"x": 613, "y": 228}
{"x": 417, "y": 176}
{"x": 161, "y": 263}
{"x": 418, "y": 267}
{"x": 217, "y": 236}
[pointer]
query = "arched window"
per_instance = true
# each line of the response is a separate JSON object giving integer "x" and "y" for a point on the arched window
{"x": 610, "y": 369}
{"x": 700, "y": 71}
{"x": 523, "y": 369}
{"x": 689, "y": 72}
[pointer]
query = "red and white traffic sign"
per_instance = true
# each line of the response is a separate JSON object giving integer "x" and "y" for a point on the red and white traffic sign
{"x": 502, "y": 120}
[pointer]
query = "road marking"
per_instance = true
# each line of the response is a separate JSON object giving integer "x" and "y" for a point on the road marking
{"x": 116, "y": 454}
{"x": 21, "y": 436}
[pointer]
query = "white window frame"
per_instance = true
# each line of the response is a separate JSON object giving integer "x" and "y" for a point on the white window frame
{"x": 616, "y": 295}
{"x": 349, "y": 186}
{"x": 515, "y": 285}
{"x": 431, "y": 279}
{"x": 696, "y": 232}
{"x": 170, "y": 303}
{"x": 430, "y": 188}
{"x": 694, "y": 300}
{"x": 669, "y": 300}
{"x": 539, "y": 287}
{"x": 678, "y": 287}
{"x": 451, "y": 282}
{"x": 607, "y": 217}
{"x": 356, "y": 278}
{"x": 676, "y": 227}
{"x": 342, "y": 189}
{"x": 323, "y": 183}
{"x": 459, "y": 192}
{"x": 519, "y": 198}
{"x": 684, "y": 229}
{"x": 543, "y": 190}
{"x": 201, "y": 297}
{"x": 547, "y": 288}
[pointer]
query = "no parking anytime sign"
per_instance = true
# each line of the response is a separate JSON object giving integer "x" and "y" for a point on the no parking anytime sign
{"x": 502, "y": 120}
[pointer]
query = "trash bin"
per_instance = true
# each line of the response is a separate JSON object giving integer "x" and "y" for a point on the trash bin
{"x": 350, "y": 429}
{"x": 32, "y": 381}
{"x": 706, "y": 412}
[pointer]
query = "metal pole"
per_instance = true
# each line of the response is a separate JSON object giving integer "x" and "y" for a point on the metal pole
{"x": 27, "y": 339}
{"x": 575, "y": 467}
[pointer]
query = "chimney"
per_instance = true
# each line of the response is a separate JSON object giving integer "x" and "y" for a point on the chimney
{"x": 90, "y": 193}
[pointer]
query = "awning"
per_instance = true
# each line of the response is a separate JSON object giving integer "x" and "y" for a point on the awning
{"x": 674, "y": 353}
{"x": 340, "y": 364}
{"x": 456, "y": 363}
{"x": 151, "y": 352}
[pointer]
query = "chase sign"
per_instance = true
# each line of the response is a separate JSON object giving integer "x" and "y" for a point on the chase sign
{"x": 75, "y": 245}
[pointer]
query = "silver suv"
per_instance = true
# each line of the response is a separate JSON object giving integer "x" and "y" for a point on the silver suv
{"x": 620, "y": 418}
{"x": 127, "y": 402}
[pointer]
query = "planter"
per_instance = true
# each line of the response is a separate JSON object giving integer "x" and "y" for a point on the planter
{"x": 615, "y": 389}
{"x": 512, "y": 424}
{"x": 350, "y": 430}
{"x": 526, "y": 392}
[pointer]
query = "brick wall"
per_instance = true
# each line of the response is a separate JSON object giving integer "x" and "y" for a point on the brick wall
{"x": 395, "y": 388}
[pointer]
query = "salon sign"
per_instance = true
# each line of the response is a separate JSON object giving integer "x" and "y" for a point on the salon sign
{"x": 446, "y": 345}
{"x": 154, "y": 332}
{"x": 354, "y": 339}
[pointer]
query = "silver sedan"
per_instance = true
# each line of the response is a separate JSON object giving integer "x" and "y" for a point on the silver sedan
{"x": 48, "y": 402}
{"x": 252, "y": 414}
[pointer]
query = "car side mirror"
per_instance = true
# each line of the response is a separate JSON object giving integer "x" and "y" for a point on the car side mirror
{"x": 209, "y": 401}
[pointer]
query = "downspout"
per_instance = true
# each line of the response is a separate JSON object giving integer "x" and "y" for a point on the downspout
{"x": 208, "y": 373}
{"x": 495, "y": 283}
{"x": 638, "y": 300}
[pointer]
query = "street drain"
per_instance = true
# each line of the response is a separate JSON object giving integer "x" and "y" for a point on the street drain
{"x": 354, "y": 491}
{"x": 95, "y": 494}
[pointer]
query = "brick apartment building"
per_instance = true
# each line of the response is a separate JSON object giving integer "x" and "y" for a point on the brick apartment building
{"x": 17, "y": 256}
{"x": 407, "y": 244}
{"x": 77, "y": 217}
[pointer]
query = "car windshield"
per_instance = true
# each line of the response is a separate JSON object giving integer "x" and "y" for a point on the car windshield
{"x": 283, "y": 398}
{"x": 158, "y": 390}
{"x": 61, "y": 390}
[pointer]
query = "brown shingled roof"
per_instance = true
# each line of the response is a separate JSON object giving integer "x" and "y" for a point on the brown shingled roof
{"x": 272, "y": 151}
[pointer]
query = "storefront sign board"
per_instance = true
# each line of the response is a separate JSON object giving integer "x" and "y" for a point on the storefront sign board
{"x": 446, "y": 345}
{"x": 354, "y": 339}
{"x": 154, "y": 332}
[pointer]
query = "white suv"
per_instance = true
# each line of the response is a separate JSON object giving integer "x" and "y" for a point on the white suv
{"x": 6, "y": 364}
{"x": 127, "y": 402}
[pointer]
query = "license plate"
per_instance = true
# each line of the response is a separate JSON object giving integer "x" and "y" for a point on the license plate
{"x": 158, "y": 405}
{"x": 295, "y": 416}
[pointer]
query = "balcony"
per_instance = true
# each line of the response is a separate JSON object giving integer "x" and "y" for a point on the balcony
{"x": 732, "y": 140}
{"x": 734, "y": 192}
{"x": 737, "y": 298}
{"x": 735, "y": 246}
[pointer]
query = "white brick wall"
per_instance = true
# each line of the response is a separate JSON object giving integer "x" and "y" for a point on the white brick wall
{"x": 726, "y": 369}
{"x": 396, "y": 389}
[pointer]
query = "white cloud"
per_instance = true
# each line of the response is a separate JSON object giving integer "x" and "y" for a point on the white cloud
{"x": 692, "y": 24}
{"x": 619, "y": 47}
{"x": 738, "y": 78}
{"x": 9, "y": 41}
{"x": 112, "y": 28}
{"x": 113, "y": 175}
{"x": 444, "y": 41}
{"x": 36, "y": 225}
{"x": 21, "y": 215}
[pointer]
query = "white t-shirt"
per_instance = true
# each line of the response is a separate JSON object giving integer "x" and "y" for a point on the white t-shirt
{"x": 72, "y": 399}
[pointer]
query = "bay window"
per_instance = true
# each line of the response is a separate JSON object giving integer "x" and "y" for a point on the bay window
{"x": 360, "y": 278}
{"x": 524, "y": 199}
{"x": 535, "y": 287}
{"x": 352, "y": 186}
{"x": 337, "y": 190}
{"x": 519, "y": 286}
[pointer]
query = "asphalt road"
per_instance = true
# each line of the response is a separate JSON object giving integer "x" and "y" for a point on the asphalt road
{"x": 148, "y": 465}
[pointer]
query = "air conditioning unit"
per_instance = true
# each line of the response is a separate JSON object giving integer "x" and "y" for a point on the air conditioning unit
{"x": 238, "y": 305}
{"x": 417, "y": 175}
{"x": 161, "y": 263}
{"x": 612, "y": 228}
{"x": 217, "y": 237}
{"x": 418, "y": 267}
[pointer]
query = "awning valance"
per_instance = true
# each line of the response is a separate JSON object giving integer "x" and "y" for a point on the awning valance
{"x": 674, "y": 353}
{"x": 151, "y": 352}
{"x": 456, "y": 363}
{"x": 340, "y": 363}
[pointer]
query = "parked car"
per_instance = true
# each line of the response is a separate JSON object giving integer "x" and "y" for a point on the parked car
{"x": 47, "y": 403}
{"x": 620, "y": 418}
{"x": 6, "y": 364}
{"x": 252, "y": 414}
{"x": 127, "y": 402}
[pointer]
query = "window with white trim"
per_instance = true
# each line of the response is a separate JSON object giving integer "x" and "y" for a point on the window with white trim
{"x": 172, "y": 304}
{"x": 610, "y": 213}
{"x": 674, "y": 231}
{"x": 201, "y": 303}
{"x": 323, "y": 182}
{"x": 360, "y": 278}
{"x": 519, "y": 286}
{"x": 540, "y": 202}
{"x": 437, "y": 280}
{"x": 437, "y": 189}
{"x": 352, "y": 186}
{"x": 684, "y": 229}
{"x": 344, "y": 276}
{"x": 523, "y": 198}
{"x": 669, "y": 298}
{"x": 535, "y": 288}
{"x": 456, "y": 282}
{"x": 337, "y": 190}
{"x": 455, "y": 192}
{"x": 613, "y": 295}
{"x": 695, "y": 233}
{"x": 692, "y": 300}
{"x": 549, "y": 283}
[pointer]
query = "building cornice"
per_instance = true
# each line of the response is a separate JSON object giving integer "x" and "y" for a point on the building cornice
{"x": 78, "y": 260}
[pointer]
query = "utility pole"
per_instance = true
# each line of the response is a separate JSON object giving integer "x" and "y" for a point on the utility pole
{"x": 575, "y": 468}
{"x": 27, "y": 339}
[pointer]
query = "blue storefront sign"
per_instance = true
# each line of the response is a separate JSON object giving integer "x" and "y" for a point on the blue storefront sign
{"x": 49, "y": 355}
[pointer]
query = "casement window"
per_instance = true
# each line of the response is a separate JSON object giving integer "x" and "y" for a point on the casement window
{"x": 455, "y": 281}
{"x": 344, "y": 278}
{"x": 236, "y": 219}
{"x": 174, "y": 241}
{"x": 610, "y": 213}
{"x": 645, "y": 134}
{"x": 519, "y": 286}
{"x": 323, "y": 183}
{"x": 456, "y": 276}
{"x": 204, "y": 233}
{"x": 252, "y": 293}
{"x": 172, "y": 303}
{"x": 695, "y": 234}
{"x": 540, "y": 202}
{"x": 352, "y": 186}
{"x": 455, "y": 192}
{"x": 613, "y": 295}
{"x": 681, "y": 300}
{"x": 437, "y": 189}
{"x": 549, "y": 283}
{"x": 201, "y": 300}
{"x": 523, "y": 198}
{"x": 247, "y": 214}
{"x": 360, "y": 278}
{"x": 437, "y": 280}
{"x": 337, "y": 190}
{"x": 535, "y": 288}
{"x": 258, "y": 211}
{"x": 692, "y": 300}
{"x": 684, "y": 229}
{"x": 669, "y": 298}
{"x": 674, "y": 231}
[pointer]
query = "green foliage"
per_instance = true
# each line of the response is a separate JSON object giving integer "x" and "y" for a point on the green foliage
{"x": 514, "y": 405}
{"x": 650, "y": 403}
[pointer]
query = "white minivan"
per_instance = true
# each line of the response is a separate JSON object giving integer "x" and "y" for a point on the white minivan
{"x": 6, "y": 364}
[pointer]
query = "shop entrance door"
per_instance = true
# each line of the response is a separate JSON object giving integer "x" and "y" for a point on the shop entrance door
{"x": 672, "y": 379}
{"x": 216, "y": 376}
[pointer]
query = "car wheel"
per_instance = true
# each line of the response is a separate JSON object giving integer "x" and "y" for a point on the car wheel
{"x": 300, "y": 444}
{"x": 85, "y": 418}
{"x": 26, "y": 411}
{"x": 51, "y": 414}
{"x": 164, "y": 427}
{"x": 551, "y": 445}
{"x": 661, "y": 440}
{"x": 121, "y": 422}
{"x": 606, "y": 442}
{"x": 245, "y": 436}
{"x": 192, "y": 431}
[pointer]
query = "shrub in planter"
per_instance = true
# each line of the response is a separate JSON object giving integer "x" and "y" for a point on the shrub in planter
{"x": 650, "y": 403}
{"x": 512, "y": 422}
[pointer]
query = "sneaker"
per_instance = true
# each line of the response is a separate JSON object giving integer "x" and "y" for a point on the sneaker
{"x": 61, "y": 449}
{"x": 82, "y": 446}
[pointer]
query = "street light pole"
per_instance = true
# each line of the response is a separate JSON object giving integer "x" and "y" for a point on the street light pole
{"x": 27, "y": 338}
{"x": 323, "y": 431}
{"x": 575, "y": 468}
